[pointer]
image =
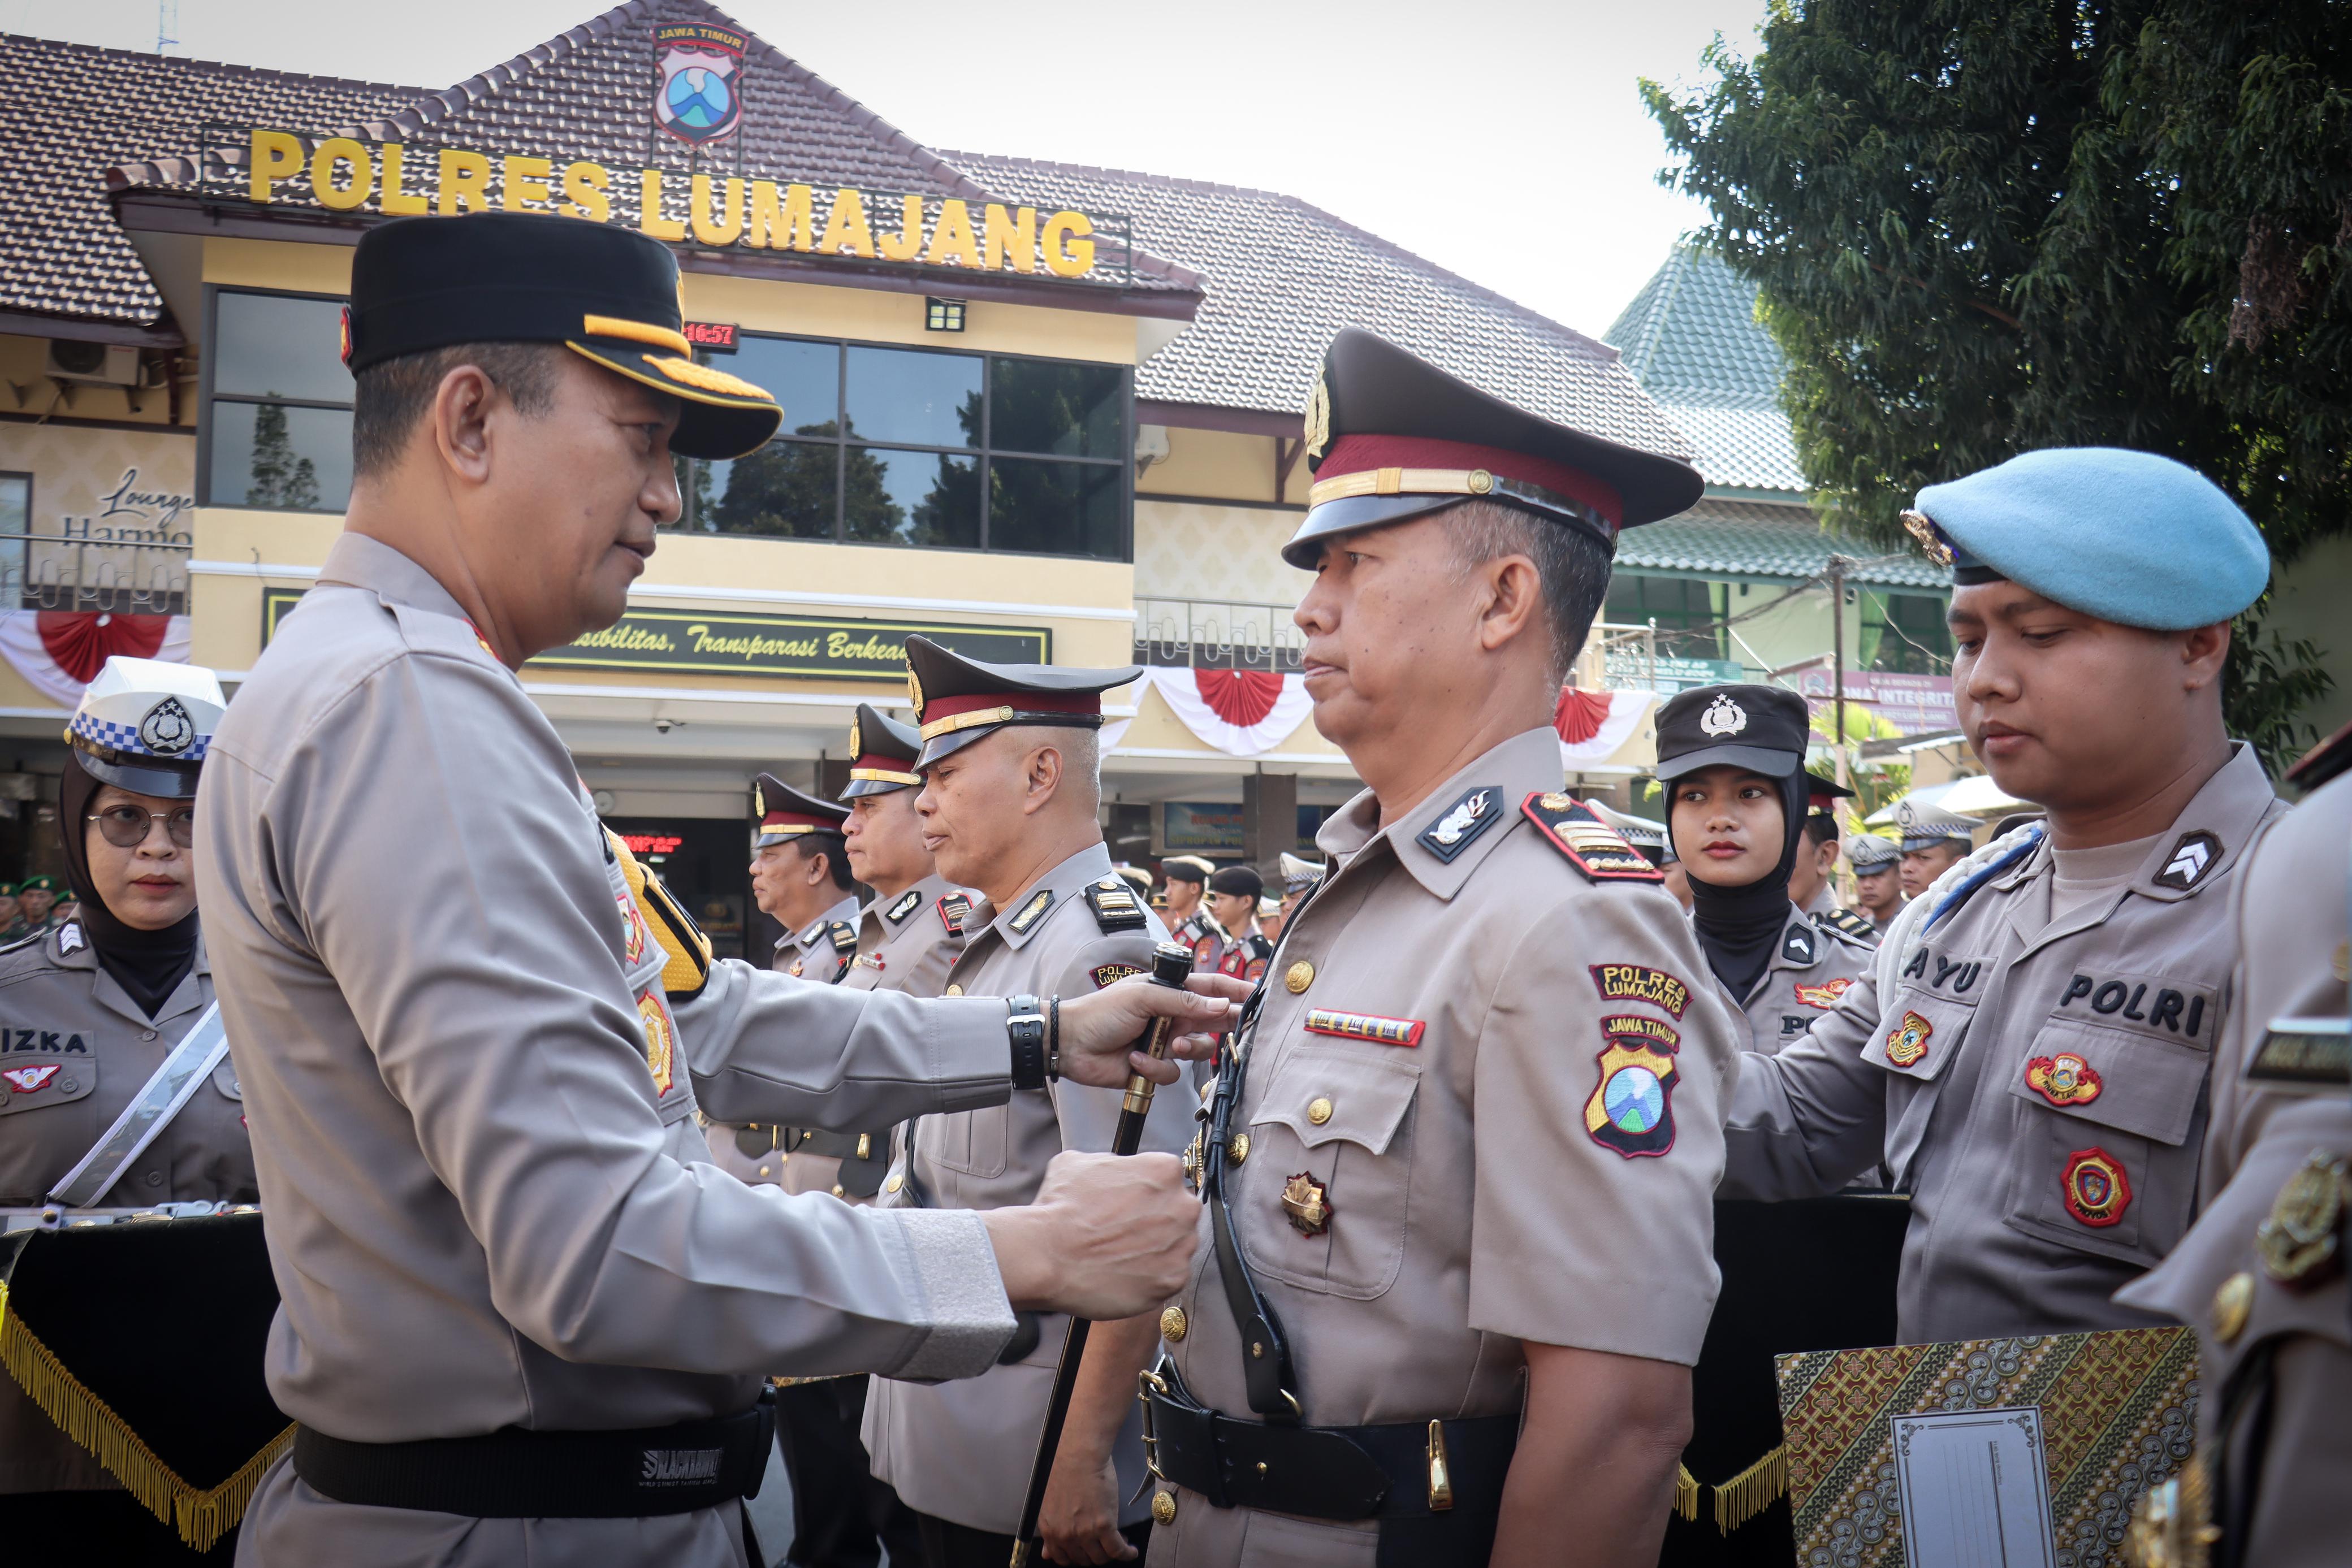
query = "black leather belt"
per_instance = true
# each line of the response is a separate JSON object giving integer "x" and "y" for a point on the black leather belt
{"x": 519, "y": 1474}
{"x": 1437, "y": 1498}
{"x": 864, "y": 1157}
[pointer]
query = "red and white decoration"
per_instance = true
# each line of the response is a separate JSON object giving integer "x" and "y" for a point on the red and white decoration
{"x": 59, "y": 651}
{"x": 1594, "y": 725}
{"x": 1241, "y": 713}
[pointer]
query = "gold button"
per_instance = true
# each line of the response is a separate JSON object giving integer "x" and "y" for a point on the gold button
{"x": 1318, "y": 1110}
{"x": 1239, "y": 1148}
{"x": 2234, "y": 1303}
{"x": 1171, "y": 1324}
{"x": 1163, "y": 1508}
{"x": 895, "y": 1183}
{"x": 763, "y": 1170}
{"x": 955, "y": 990}
{"x": 837, "y": 1192}
{"x": 1299, "y": 977}
{"x": 1261, "y": 1467}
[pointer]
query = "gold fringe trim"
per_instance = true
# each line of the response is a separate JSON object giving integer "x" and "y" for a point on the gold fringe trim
{"x": 202, "y": 1517}
{"x": 1752, "y": 1490}
{"x": 1685, "y": 1492}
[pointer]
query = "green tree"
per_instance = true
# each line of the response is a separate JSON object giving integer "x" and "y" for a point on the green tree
{"x": 278, "y": 477}
{"x": 1980, "y": 229}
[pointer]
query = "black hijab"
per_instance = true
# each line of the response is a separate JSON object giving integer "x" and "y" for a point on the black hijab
{"x": 148, "y": 965}
{"x": 1738, "y": 927}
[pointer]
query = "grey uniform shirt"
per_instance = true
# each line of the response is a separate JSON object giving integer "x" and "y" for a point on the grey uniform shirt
{"x": 74, "y": 1049}
{"x": 472, "y": 1109}
{"x": 961, "y": 1451}
{"x": 2037, "y": 1085}
{"x": 2272, "y": 1113}
{"x": 822, "y": 949}
{"x": 757, "y": 1152}
{"x": 1813, "y": 966}
{"x": 1517, "y": 1133}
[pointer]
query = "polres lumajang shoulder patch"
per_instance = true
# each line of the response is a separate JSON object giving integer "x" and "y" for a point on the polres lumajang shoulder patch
{"x": 1631, "y": 1111}
{"x": 1462, "y": 823}
{"x": 1592, "y": 845}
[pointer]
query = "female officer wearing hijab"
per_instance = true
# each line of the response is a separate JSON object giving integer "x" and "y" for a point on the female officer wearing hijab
{"x": 1733, "y": 761}
{"x": 92, "y": 1010}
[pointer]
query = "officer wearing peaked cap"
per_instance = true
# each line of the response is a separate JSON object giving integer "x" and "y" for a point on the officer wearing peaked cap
{"x": 1189, "y": 919}
{"x": 108, "y": 1011}
{"x": 1934, "y": 841}
{"x": 1011, "y": 804}
{"x": 1419, "y": 1174}
{"x": 801, "y": 877}
{"x": 1877, "y": 879}
{"x": 471, "y": 1081}
{"x": 2029, "y": 1054}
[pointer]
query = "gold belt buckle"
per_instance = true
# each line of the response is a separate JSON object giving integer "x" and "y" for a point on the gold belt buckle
{"x": 1441, "y": 1483}
{"x": 1146, "y": 1382}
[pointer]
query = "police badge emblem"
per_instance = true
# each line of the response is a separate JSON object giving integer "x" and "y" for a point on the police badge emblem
{"x": 167, "y": 730}
{"x": 657, "y": 1039}
{"x": 1906, "y": 1042}
{"x": 1631, "y": 1111}
{"x": 699, "y": 77}
{"x": 1922, "y": 527}
{"x": 1318, "y": 419}
{"x": 2096, "y": 1189}
{"x": 2298, "y": 1242}
{"x": 1723, "y": 716}
{"x": 1307, "y": 1204}
{"x": 2064, "y": 1078}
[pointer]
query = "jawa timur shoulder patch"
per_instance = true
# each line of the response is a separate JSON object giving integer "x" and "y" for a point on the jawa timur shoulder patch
{"x": 1632, "y": 1109}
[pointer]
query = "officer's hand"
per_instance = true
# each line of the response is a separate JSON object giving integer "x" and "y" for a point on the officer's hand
{"x": 1079, "y": 1519}
{"x": 1106, "y": 1238}
{"x": 1099, "y": 1031}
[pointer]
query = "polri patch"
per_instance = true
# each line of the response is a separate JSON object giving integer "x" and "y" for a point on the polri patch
{"x": 2064, "y": 1078}
{"x": 1032, "y": 912}
{"x": 2095, "y": 1187}
{"x": 1365, "y": 1026}
{"x": 1461, "y": 825}
{"x": 1631, "y": 1110}
{"x": 1634, "y": 983}
{"x": 2191, "y": 860}
{"x": 2298, "y": 1050}
{"x": 1906, "y": 1042}
{"x": 1592, "y": 845}
{"x": 1825, "y": 994}
{"x": 906, "y": 904}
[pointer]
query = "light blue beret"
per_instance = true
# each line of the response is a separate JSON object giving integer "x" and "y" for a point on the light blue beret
{"x": 2127, "y": 537}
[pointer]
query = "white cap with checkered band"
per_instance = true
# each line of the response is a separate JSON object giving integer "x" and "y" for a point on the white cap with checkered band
{"x": 144, "y": 725}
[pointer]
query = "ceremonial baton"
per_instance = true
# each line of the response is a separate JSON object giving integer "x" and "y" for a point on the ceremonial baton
{"x": 1171, "y": 964}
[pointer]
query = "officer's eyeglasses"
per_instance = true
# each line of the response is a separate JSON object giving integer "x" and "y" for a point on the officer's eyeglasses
{"x": 127, "y": 827}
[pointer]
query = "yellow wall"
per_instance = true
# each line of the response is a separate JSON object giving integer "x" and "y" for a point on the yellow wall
{"x": 1219, "y": 463}
{"x": 25, "y": 387}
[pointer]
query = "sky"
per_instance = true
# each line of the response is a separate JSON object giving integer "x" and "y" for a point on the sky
{"x": 1505, "y": 140}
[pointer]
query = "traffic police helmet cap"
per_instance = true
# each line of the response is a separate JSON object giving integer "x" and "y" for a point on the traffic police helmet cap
{"x": 144, "y": 725}
{"x": 2128, "y": 537}
{"x": 1869, "y": 852}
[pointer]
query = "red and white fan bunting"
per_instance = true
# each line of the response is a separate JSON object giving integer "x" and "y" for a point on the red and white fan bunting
{"x": 1241, "y": 713}
{"x": 58, "y": 651}
{"x": 1594, "y": 725}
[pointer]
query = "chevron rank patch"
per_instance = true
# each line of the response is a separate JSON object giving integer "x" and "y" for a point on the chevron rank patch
{"x": 952, "y": 908}
{"x": 1032, "y": 912}
{"x": 1113, "y": 901}
{"x": 1798, "y": 947}
{"x": 1592, "y": 845}
{"x": 1462, "y": 824}
{"x": 1112, "y": 973}
{"x": 2191, "y": 860}
{"x": 1824, "y": 996}
{"x": 1365, "y": 1026}
{"x": 907, "y": 903}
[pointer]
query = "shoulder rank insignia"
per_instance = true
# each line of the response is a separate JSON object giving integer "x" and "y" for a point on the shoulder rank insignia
{"x": 2196, "y": 853}
{"x": 1592, "y": 845}
{"x": 1032, "y": 912}
{"x": 1112, "y": 973}
{"x": 843, "y": 934}
{"x": 1461, "y": 824}
{"x": 907, "y": 903}
{"x": 1365, "y": 1026}
{"x": 2303, "y": 1051}
{"x": 69, "y": 938}
{"x": 1850, "y": 924}
{"x": 1824, "y": 996}
{"x": 1797, "y": 945}
{"x": 1113, "y": 901}
{"x": 952, "y": 908}
{"x": 1631, "y": 1111}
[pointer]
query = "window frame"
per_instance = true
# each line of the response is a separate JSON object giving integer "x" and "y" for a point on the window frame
{"x": 984, "y": 454}
{"x": 207, "y": 395}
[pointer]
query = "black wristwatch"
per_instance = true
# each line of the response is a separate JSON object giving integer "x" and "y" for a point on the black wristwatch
{"x": 1026, "y": 1030}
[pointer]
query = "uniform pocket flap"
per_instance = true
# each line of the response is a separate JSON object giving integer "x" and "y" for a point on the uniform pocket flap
{"x": 29, "y": 1085}
{"x": 1323, "y": 1096}
{"x": 2125, "y": 1080}
{"x": 1918, "y": 1034}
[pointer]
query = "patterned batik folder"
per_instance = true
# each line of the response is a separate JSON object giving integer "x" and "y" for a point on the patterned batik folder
{"x": 2118, "y": 1415}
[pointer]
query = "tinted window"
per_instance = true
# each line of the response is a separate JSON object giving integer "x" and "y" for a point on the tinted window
{"x": 1054, "y": 508}
{"x": 274, "y": 347}
{"x": 913, "y": 399}
{"x": 286, "y": 459}
{"x": 1074, "y": 411}
{"x": 805, "y": 377}
{"x": 785, "y": 490}
{"x": 911, "y": 498}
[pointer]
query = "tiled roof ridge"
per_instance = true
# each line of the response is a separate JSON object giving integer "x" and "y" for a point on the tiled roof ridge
{"x": 1656, "y": 301}
{"x": 227, "y": 67}
{"x": 1599, "y": 349}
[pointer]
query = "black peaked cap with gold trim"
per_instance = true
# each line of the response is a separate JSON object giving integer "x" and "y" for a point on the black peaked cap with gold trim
{"x": 786, "y": 813}
{"x": 882, "y": 753}
{"x": 959, "y": 700}
{"x": 607, "y": 293}
{"x": 1390, "y": 437}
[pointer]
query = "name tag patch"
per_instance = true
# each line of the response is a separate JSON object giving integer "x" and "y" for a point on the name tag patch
{"x": 48, "y": 1041}
{"x": 1364, "y": 1026}
{"x": 1634, "y": 983}
{"x": 2180, "y": 1009}
{"x": 1947, "y": 976}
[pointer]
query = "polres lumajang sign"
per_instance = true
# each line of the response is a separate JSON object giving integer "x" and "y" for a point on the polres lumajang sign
{"x": 344, "y": 173}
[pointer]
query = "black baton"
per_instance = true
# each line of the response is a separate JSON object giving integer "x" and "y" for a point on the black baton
{"x": 1171, "y": 964}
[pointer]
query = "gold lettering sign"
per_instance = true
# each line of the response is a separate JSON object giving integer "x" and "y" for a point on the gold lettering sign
{"x": 720, "y": 213}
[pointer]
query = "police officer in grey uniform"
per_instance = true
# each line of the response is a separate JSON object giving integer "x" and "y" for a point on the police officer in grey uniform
{"x": 92, "y": 1018}
{"x": 2260, "y": 1275}
{"x": 1934, "y": 840}
{"x": 1010, "y": 805}
{"x": 1877, "y": 879}
{"x": 1188, "y": 915}
{"x": 520, "y": 1319}
{"x": 1733, "y": 761}
{"x": 817, "y": 906}
{"x": 2030, "y": 1054}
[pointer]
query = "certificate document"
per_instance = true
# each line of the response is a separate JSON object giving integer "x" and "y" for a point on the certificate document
{"x": 1974, "y": 1488}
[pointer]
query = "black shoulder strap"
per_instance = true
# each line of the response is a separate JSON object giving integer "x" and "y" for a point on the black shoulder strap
{"x": 843, "y": 934}
{"x": 1113, "y": 901}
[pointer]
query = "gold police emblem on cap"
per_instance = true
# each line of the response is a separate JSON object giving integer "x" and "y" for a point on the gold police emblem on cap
{"x": 2298, "y": 1243}
{"x": 856, "y": 748}
{"x": 915, "y": 691}
{"x": 1931, "y": 540}
{"x": 759, "y": 801}
{"x": 1318, "y": 419}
